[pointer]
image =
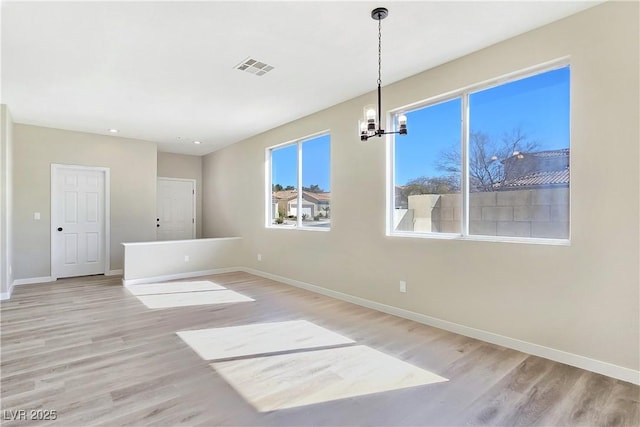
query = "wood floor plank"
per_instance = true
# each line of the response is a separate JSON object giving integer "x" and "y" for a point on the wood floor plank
{"x": 90, "y": 350}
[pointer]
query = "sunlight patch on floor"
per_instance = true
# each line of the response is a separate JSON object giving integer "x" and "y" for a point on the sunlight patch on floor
{"x": 192, "y": 298}
{"x": 290, "y": 380}
{"x": 260, "y": 338}
{"x": 174, "y": 287}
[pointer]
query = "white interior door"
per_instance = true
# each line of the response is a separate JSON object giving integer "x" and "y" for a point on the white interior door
{"x": 78, "y": 244}
{"x": 176, "y": 218}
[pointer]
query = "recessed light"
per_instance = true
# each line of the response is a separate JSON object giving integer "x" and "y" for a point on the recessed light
{"x": 197, "y": 142}
{"x": 113, "y": 130}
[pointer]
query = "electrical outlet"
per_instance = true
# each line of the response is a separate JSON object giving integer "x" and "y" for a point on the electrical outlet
{"x": 403, "y": 286}
{"x": 186, "y": 258}
{"x": 259, "y": 257}
{"x": 36, "y": 215}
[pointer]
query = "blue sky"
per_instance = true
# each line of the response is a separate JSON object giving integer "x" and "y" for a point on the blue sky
{"x": 316, "y": 158}
{"x": 538, "y": 105}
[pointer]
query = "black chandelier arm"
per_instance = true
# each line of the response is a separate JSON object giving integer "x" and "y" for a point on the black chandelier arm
{"x": 380, "y": 132}
{"x": 401, "y": 132}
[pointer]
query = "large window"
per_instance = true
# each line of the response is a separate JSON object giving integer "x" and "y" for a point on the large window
{"x": 300, "y": 165}
{"x": 490, "y": 162}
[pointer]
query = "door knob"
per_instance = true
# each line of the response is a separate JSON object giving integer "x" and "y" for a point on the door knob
{"x": 59, "y": 228}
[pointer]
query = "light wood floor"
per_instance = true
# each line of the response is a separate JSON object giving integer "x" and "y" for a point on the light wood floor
{"x": 94, "y": 353}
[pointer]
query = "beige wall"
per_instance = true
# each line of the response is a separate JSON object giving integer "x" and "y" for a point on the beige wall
{"x": 6, "y": 231}
{"x": 171, "y": 165}
{"x": 133, "y": 190}
{"x": 582, "y": 299}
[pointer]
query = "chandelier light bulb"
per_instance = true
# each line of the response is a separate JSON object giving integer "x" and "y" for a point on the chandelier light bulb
{"x": 402, "y": 124}
{"x": 371, "y": 114}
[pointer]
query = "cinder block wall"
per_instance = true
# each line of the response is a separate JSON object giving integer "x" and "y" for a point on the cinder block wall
{"x": 542, "y": 213}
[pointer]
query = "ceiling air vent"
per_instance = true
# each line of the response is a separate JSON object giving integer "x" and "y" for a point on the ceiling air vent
{"x": 254, "y": 67}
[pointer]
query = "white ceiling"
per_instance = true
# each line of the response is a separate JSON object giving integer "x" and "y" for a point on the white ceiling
{"x": 161, "y": 71}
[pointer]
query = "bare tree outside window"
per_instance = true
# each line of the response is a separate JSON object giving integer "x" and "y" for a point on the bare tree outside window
{"x": 487, "y": 166}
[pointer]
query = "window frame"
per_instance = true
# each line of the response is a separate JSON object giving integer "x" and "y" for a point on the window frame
{"x": 464, "y": 94}
{"x": 298, "y": 142}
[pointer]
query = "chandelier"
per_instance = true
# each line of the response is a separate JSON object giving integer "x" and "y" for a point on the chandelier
{"x": 370, "y": 126}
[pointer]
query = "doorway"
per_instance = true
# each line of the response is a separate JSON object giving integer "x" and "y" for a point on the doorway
{"x": 176, "y": 207}
{"x": 79, "y": 220}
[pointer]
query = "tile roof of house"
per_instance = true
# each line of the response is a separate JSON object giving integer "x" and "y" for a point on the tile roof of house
{"x": 551, "y": 153}
{"x": 292, "y": 194}
{"x": 539, "y": 178}
{"x": 320, "y": 197}
{"x": 536, "y": 169}
{"x": 285, "y": 194}
{"x": 563, "y": 152}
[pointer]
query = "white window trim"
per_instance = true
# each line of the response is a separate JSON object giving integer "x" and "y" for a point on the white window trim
{"x": 463, "y": 94}
{"x": 269, "y": 184}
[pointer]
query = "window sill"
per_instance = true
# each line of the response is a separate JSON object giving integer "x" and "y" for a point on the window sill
{"x": 492, "y": 239}
{"x": 320, "y": 229}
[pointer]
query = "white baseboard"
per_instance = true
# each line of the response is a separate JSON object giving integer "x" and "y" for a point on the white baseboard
{"x": 32, "y": 280}
{"x": 28, "y": 281}
{"x": 129, "y": 282}
{"x": 604, "y": 368}
{"x": 114, "y": 272}
{"x": 6, "y": 295}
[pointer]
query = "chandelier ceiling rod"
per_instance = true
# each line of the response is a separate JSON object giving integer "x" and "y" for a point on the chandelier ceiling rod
{"x": 379, "y": 14}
